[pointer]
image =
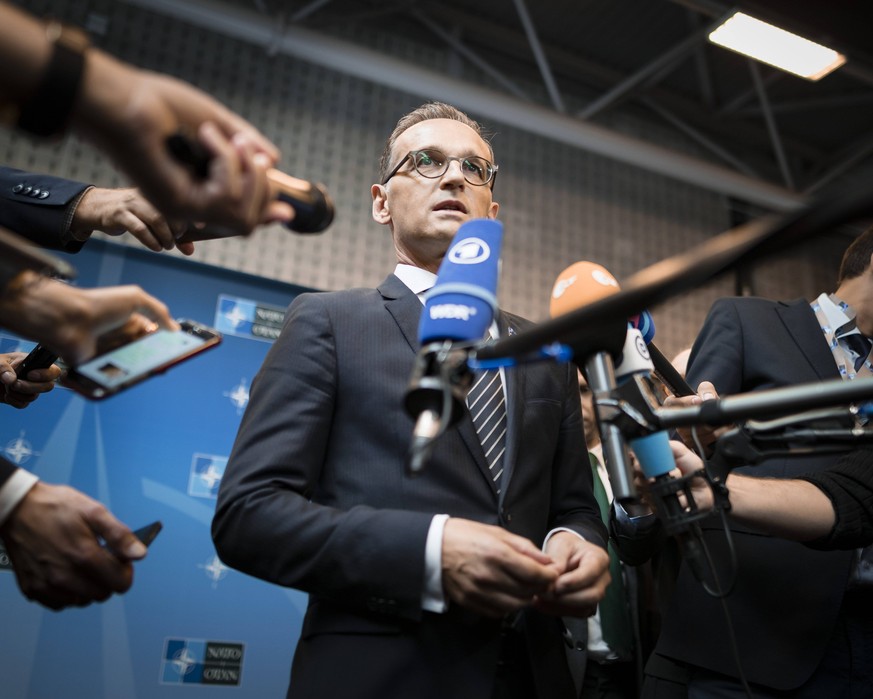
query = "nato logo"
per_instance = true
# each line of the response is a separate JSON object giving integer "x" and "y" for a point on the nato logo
{"x": 238, "y": 395}
{"x": 469, "y": 251}
{"x": 206, "y": 473}
{"x": 214, "y": 569}
{"x": 234, "y": 315}
{"x": 195, "y": 661}
{"x": 249, "y": 319}
{"x": 19, "y": 450}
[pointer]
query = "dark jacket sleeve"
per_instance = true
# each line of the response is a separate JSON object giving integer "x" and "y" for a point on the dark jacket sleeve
{"x": 7, "y": 468}
{"x": 849, "y": 485}
{"x": 39, "y": 207}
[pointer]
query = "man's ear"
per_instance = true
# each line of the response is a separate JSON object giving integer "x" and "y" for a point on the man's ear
{"x": 381, "y": 212}
{"x": 493, "y": 209}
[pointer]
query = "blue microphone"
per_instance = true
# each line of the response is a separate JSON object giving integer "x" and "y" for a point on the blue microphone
{"x": 458, "y": 310}
{"x": 462, "y": 304}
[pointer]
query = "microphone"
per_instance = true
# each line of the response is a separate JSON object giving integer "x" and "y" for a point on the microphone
{"x": 458, "y": 309}
{"x": 663, "y": 368}
{"x": 313, "y": 207}
{"x": 594, "y": 349}
{"x": 578, "y": 285}
{"x": 652, "y": 450}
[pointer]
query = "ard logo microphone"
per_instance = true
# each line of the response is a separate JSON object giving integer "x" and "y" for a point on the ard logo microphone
{"x": 459, "y": 309}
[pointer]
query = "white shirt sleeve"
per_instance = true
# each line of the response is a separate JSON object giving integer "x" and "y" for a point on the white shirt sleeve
{"x": 13, "y": 491}
{"x": 432, "y": 597}
{"x": 560, "y": 529}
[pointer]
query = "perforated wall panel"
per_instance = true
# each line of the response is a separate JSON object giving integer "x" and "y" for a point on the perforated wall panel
{"x": 559, "y": 204}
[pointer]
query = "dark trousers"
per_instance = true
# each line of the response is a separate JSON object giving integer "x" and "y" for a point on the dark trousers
{"x": 616, "y": 680}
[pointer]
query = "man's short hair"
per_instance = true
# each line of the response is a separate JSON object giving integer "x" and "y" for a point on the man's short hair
{"x": 856, "y": 259}
{"x": 429, "y": 110}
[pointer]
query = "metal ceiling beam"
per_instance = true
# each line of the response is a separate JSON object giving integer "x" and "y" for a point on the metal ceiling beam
{"x": 666, "y": 60}
{"x": 582, "y": 75}
{"x": 771, "y": 124}
{"x": 808, "y": 105}
{"x": 701, "y": 66}
{"x": 470, "y": 55}
{"x": 540, "y": 56}
{"x": 851, "y": 156}
{"x": 698, "y": 137}
{"x": 308, "y": 10}
{"x": 370, "y": 65}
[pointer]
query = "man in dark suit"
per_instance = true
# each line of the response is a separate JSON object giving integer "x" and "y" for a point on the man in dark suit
{"x": 802, "y": 618}
{"x": 433, "y": 586}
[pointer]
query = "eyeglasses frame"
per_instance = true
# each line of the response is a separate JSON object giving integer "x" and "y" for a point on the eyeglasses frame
{"x": 449, "y": 159}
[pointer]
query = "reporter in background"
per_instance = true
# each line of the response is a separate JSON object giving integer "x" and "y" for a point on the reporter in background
{"x": 802, "y": 618}
{"x": 615, "y": 652}
{"x": 51, "y": 80}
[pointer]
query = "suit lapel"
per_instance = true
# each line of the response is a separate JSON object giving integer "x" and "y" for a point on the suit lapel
{"x": 405, "y": 308}
{"x": 801, "y": 324}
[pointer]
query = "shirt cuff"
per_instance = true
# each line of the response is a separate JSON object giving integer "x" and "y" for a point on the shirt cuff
{"x": 560, "y": 529}
{"x": 432, "y": 597}
{"x": 13, "y": 491}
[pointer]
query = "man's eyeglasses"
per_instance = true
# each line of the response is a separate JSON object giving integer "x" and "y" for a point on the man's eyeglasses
{"x": 434, "y": 163}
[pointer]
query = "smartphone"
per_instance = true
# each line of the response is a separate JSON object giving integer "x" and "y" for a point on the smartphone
{"x": 125, "y": 366}
{"x": 148, "y": 533}
{"x": 38, "y": 358}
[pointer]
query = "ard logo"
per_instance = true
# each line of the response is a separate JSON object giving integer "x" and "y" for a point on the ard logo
{"x": 195, "y": 661}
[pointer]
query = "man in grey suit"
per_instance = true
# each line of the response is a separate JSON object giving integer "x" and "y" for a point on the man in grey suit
{"x": 434, "y": 586}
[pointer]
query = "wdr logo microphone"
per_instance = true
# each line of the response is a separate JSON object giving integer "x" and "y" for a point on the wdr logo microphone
{"x": 463, "y": 301}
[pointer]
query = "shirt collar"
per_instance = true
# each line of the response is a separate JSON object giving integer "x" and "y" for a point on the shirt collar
{"x": 840, "y": 316}
{"x": 419, "y": 281}
{"x": 416, "y": 279}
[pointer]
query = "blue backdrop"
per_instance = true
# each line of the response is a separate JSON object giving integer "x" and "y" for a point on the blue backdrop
{"x": 157, "y": 451}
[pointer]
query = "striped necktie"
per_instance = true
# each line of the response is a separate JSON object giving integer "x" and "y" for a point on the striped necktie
{"x": 487, "y": 406}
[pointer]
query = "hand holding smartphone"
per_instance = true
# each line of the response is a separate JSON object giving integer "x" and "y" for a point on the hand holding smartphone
{"x": 129, "y": 364}
{"x": 38, "y": 358}
{"x": 148, "y": 533}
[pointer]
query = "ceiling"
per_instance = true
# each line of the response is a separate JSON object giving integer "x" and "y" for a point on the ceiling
{"x": 585, "y": 67}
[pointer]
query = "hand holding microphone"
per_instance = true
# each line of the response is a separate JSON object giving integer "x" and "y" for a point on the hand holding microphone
{"x": 313, "y": 207}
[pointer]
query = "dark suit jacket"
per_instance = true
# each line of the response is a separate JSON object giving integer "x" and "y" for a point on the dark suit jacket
{"x": 38, "y": 207}
{"x": 787, "y": 596}
{"x": 7, "y": 468}
{"x": 315, "y": 497}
